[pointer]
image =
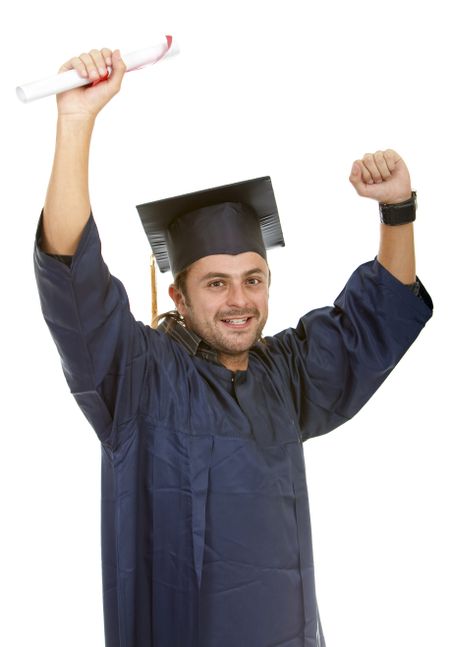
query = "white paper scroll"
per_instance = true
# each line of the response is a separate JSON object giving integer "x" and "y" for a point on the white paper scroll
{"x": 71, "y": 79}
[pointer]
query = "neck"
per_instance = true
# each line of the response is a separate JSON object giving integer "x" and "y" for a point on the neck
{"x": 234, "y": 362}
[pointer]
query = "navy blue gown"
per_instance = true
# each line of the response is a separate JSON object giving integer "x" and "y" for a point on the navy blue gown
{"x": 206, "y": 538}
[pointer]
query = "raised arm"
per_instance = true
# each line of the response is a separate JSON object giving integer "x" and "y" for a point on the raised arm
{"x": 337, "y": 357}
{"x": 67, "y": 205}
{"x": 383, "y": 176}
{"x": 103, "y": 349}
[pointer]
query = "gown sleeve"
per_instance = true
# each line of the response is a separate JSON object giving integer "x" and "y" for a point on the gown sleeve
{"x": 337, "y": 357}
{"x": 101, "y": 346}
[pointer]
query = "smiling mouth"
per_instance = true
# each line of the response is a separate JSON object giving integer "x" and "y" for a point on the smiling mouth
{"x": 237, "y": 322}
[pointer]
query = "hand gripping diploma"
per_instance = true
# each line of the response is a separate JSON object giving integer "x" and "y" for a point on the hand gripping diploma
{"x": 93, "y": 66}
{"x": 70, "y": 79}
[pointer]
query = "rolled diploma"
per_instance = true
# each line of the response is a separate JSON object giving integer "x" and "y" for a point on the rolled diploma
{"x": 71, "y": 79}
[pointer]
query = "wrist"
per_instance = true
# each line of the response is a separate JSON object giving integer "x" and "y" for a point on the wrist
{"x": 400, "y": 198}
{"x": 399, "y": 212}
{"x": 76, "y": 120}
{"x": 74, "y": 130}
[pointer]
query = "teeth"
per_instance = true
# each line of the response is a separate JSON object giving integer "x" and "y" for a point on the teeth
{"x": 236, "y": 321}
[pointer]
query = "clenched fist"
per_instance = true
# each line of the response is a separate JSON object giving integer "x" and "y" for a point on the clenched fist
{"x": 382, "y": 176}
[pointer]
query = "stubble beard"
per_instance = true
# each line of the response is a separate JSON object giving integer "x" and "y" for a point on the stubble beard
{"x": 231, "y": 343}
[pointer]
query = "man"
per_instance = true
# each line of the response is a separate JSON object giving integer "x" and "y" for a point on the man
{"x": 206, "y": 536}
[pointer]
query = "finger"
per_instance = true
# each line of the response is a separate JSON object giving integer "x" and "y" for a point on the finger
{"x": 357, "y": 179}
{"x": 381, "y": 164}
{"x": 91, "y": 66}
{"x": 356, "y": 172}
{"x": 391, "y": 157}
{"x": 369, "y": 163}
{"x": 75, "y": 63}
{"x": 118, "y": 70}
{"x": 107, "y": 53}
{"x": 102, "y": 66}
{"x": 366, "y": 174}
{"x": 99, "y": 61}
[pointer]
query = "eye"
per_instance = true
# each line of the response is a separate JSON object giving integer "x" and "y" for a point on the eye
{"x": 253, "y": 281}
{"x": 216, "y": 284}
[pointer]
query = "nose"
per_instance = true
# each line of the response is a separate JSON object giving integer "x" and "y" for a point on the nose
{"x": 236, "y": 296}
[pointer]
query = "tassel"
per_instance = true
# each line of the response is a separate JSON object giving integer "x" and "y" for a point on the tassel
{"x": 154, "y": 321}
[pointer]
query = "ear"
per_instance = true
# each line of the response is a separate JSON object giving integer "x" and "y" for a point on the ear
{"x": 178, "y": 299}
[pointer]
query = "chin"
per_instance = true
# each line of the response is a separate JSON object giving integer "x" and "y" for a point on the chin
{"x": 238, "y": 345}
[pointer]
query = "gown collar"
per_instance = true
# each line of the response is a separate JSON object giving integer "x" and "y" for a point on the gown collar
{"x": 188, "y": 339}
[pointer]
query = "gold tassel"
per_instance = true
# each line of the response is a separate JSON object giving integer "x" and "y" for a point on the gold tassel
{"x": 154, "y": 321}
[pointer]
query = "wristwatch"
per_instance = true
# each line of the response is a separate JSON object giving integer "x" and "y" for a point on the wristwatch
{"x": 399, "y": 214}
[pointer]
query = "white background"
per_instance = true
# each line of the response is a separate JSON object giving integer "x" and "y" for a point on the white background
{"x": 289, "y": 89}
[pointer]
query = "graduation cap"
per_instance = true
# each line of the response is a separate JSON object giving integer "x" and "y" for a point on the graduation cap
{"x": 229, "y": 219}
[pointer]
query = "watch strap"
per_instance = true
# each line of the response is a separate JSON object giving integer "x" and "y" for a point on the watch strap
{"x": 400, "y": 213}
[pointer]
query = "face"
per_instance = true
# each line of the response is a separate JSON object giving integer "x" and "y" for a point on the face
{"x": 226, "y": 303}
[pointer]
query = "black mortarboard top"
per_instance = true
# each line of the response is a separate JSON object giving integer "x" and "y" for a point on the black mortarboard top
{"x": 228, "y": 219}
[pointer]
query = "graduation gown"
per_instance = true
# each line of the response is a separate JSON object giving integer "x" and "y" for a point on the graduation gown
{"x": 206, "y": 538}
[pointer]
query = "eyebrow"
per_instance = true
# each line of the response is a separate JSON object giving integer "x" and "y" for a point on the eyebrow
{"x": 222, "y": 275}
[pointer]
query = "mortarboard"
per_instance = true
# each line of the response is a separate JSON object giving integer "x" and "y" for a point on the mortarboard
{"x": 228, "y": 219}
